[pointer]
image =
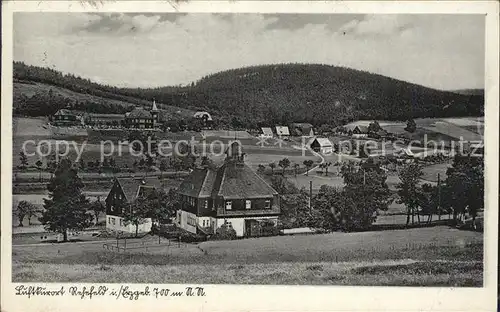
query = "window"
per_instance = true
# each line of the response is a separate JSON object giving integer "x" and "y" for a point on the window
{"x": 229, "y": 205}
{"x": 268, "y": 204}
{"x": 113, "y": 221}
{"x": 191, "y": 221}
{"x": 121, "y": 222}
{"x": 109, "y": 220}
{"x": 206, "y": 204}
{"x": 248, "y": 204}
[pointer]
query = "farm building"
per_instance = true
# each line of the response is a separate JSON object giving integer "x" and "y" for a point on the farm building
{"x": 360, "y": 132}
{"x": 267, "y": 133}
{"x": 141, "y": 118}
{"x": 68, "y": 117}
{"x": 232, "y": 194}
{"x": 105, "y": 119}
{"x": 322, "y": 145}
{"x": 122, "y": 194}
{"x": 302, "y": 129}
{"x": 206, "y": 118}
{"x": 282, "y": 131}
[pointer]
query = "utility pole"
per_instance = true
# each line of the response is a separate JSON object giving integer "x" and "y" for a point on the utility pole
{"x": 364, "y": 177}
{"x": 439, "y": 196}
{"x": 310, "y": 195}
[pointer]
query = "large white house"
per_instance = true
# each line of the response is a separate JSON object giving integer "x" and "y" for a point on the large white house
{"x": 233, "y": 194}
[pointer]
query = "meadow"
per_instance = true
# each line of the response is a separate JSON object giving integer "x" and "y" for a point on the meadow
{"x": 437, "y": 129}
{"x": 428, "y": 256}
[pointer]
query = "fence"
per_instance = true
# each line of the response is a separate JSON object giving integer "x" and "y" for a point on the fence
{"x": 142, "y": 245}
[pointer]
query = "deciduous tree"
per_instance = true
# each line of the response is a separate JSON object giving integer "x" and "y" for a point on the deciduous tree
{"x": 308, "y": 164}
{"x": 284, "y": 163}
{"x": 26, "y": 209}
{"x": 408, "y": 189}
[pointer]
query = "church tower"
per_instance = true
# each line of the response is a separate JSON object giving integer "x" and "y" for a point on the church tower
{"x": 154, "y": 114}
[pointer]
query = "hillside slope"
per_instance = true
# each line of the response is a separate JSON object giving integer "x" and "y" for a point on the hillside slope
{"x": 272, "y": 94}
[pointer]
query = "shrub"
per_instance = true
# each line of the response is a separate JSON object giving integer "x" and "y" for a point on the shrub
{"x": 187, "y": 237}
{"x": 224, "y": 232}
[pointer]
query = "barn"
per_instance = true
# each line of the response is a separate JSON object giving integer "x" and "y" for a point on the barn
{"x": 322, "y": 145}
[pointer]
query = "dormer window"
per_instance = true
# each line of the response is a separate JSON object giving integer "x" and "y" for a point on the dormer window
{"x": 248, "y": 204}
{"x": 268, "y": 204}
{"x": 229, "y": 205}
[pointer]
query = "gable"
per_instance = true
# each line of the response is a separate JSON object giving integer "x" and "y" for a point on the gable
{"x": 282, "y": 130}
{"x": 267, "y": 131}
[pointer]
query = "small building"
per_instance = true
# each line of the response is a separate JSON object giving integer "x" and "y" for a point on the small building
{"x": 267, "y": 132}
{"x": 140, "y": 118}
{"x": 232, "y": 194}
{"x": 206, "y": 118}
{"x": 69, "y": 117}
{"x": 302, "y": 129}
{"x": 380, "y": 134}
{"x": 322, "y": 145}
{"x": 282, "y": 131}
{"x": 122, "y": 194}
{"x": 360, "y": 132}
{"x": 112, "y": 120}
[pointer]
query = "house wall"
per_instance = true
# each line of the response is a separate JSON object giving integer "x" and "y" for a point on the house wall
{"x": 205, "y": 221}
{"x": 326, "y": 150}
{"x": 187, "y": 221}
{"x": 115, "y": 223}
{"x": 238, "y": 224}
{"x": 114, "y": 200}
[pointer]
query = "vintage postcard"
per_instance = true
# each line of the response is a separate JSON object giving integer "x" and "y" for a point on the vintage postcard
{"x": 249, "y": 156}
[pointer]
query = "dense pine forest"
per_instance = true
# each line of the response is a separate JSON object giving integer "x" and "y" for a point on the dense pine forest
{"x": 259, "y": 95}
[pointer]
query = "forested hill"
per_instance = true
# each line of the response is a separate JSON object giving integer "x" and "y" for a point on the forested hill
{"x": 271, "y": 94}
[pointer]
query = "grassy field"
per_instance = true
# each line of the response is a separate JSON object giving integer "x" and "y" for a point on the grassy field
{"x": 427, "y": 256}
{"x": 438, "y": 129}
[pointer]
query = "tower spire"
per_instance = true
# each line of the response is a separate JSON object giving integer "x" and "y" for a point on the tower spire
{"x": 154, "y": 109}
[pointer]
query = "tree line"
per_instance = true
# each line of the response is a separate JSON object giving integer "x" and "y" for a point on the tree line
{"x": 356, "y": 205}
{"x": 283, "y": 93}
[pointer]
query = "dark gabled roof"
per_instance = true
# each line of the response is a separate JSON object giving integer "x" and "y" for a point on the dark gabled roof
{"x": 130, "y": 187}
{"x": 229, "y": 181}
{"x": 362, "y": 129}
{"x": 323, "y": 142}
{"x": 240, "y": 181}
{"x": 199, "y": 183}
{"x": 140, "y": 113}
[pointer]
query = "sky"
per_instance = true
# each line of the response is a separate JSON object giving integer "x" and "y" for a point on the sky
{"x": 149, "y": 50}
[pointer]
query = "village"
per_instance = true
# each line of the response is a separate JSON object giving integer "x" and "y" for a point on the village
{"x": 301, "y": 171}
{"x": 233, "y": 193}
